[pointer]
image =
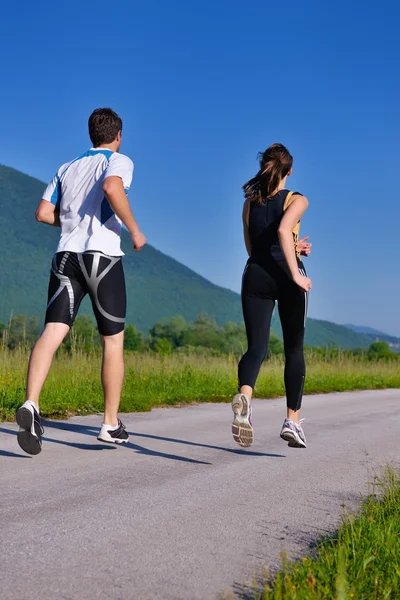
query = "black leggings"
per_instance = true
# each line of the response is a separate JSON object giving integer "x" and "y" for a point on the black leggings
{"x": 262, "y": 286}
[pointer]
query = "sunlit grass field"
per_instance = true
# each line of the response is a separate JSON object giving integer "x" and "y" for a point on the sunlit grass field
{"x": 73, "y": 386}
{"x": 360, "y": 562}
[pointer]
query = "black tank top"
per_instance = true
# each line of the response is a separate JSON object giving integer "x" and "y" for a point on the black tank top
{"x": 264, "y": 221}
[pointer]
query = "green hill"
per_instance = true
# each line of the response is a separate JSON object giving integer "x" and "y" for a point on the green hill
{"x": 158, "y": 286}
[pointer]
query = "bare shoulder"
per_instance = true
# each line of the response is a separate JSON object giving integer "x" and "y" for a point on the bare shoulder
{"x": 246, "y": 203}
{"x": 300, "y": 198}
{"x": 246, "y": 209}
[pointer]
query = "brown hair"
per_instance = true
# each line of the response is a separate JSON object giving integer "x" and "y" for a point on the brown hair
{"x": 275, "y": 164}
{"x": 104, "y": 125}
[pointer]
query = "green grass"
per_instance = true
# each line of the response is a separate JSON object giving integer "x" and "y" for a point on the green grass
{"x": 361, "y": 562}
{"x": 73, "y": 386}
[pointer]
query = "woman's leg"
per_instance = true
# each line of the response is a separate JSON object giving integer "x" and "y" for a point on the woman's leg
{"x": 257, "y": 313}
{"x": 258, "y": 307}
{"x": 292, "y": 312}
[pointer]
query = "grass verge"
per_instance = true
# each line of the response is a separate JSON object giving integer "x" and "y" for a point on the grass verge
{"x": 74, "y": 387}
{"x": 361, "y": 562}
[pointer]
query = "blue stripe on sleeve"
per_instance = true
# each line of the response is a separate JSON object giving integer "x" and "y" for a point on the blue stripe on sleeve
{"x": 56, "y": 195}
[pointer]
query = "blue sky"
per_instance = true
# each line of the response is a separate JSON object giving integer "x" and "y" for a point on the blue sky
{"x": 202, "y": 87}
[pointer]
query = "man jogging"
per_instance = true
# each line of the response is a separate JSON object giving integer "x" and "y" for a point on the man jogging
{"x": 88, "y": 200}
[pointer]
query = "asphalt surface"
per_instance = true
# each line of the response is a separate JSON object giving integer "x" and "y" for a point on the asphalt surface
{"x": 182, "y": 513}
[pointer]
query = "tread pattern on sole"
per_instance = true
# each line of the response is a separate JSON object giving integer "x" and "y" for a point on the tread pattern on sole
{"x": 242, "y": 434}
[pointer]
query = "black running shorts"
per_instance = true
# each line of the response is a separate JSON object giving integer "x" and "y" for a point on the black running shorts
{"x": 74, "y": 275}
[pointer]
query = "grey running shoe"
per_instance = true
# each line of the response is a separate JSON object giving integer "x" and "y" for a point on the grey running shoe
{"x": 30, "y": 428}
{"x": 242, "y": 428}
{"x": 293, "y": 433}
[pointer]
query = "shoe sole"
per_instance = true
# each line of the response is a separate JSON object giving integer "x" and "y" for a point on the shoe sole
{"x": 113, "y": 441}
{"x": 242, "y": 431}
{"x": 29, "y": 442}
{"x": 293, "y": 441}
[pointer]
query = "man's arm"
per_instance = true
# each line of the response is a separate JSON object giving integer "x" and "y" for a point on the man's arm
{"x": 47, "y": 212}
{"x": 114, "y": 190}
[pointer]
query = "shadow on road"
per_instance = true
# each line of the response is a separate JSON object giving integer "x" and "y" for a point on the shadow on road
{"x": 62, "y": 442}
{"x": 92, "y": 430}
{"x": 12, "y": 454}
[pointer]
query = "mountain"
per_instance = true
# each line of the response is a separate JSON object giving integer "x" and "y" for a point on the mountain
{"x": 376, "y": 336}
{"x": 325, "y": 333}
{"x": 158, "y": 286}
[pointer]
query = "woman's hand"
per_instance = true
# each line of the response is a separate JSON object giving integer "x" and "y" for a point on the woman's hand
{"x": 304, "y": 247}
{"x": 303, "y": 282}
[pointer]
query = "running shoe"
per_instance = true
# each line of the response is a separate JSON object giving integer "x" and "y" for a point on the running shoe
{"x": 242, "y": 428}
{"x": 30, "y": 428}
{"x": 293, "y": 434}
{"x": 119, "y": 435}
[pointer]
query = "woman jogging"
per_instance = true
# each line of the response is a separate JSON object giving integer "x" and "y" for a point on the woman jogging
{"x": 274, "y": 272}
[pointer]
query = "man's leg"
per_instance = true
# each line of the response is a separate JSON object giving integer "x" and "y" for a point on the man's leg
{"x": 41, "y": 359}
{"x": 28, "y": 418}
{"x": 112, "y": 376}
{"x": 65, "y": 294}
{"x": 106, "y": 283}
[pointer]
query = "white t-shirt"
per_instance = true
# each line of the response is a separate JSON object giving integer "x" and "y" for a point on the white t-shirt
{"x": 87, "y": 220}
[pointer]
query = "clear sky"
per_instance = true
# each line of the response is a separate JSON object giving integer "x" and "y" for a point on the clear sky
{"x": 202, "y": 86}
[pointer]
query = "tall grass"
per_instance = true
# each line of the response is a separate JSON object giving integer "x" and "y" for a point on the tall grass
{"x": 73, "y": 386}
{"x": 361, "y": 562}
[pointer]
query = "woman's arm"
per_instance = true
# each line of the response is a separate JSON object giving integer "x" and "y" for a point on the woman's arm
{"x": 285, "y": 232}
{"x": 245, "y": 216}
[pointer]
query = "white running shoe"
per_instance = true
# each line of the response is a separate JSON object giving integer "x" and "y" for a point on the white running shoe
{"x": 242, "y": 428}
{"x": 119, "y": 435}
{"x": 293, "y": 433}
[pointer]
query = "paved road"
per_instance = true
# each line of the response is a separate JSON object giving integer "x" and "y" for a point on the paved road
{"x": 181, "y": 513}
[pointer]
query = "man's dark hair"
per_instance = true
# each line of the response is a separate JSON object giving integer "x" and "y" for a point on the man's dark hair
{"x": 104, "y": 125}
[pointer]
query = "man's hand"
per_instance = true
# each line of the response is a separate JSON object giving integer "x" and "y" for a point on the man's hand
{"x": 138, "y": 240}
{"x": 304, "y": 247}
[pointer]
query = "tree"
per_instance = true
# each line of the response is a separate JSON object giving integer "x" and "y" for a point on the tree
{"x": 162, "y": 346}
{"x": 133, "y": 339}
{"x": 233, "y": 338}
{"x": 275, "y": 345}
{"x": 203, "y": 332}
{"x": 83, "y": 335}
{"x": 21, "y": 331}
{"x": 172, "y": 330}
{"x": 380, "y": 350}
